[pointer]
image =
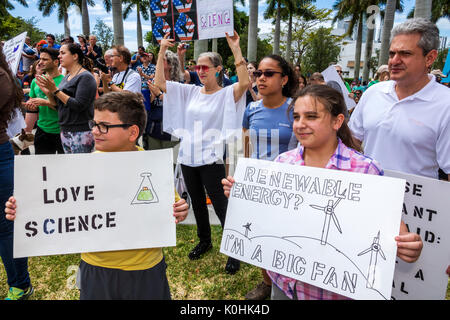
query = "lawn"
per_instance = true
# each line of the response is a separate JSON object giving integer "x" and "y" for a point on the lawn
{"x": 54, "y": 276}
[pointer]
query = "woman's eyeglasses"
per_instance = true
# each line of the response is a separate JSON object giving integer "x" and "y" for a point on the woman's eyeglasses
{"x": 267, "y": 73}
{"x": 103, "y": 128}
{"x": 201, "y": 68}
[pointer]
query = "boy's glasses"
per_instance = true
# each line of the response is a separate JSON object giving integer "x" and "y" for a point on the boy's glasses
{"x": 201, "y": 68}
{"x": 103, "y": 128}
{"x": 267, "y": 73}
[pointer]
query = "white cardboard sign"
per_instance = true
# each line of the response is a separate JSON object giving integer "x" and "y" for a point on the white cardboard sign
{"x": 214, "y": 18}
{"x": 330, "y": 74}
{"x": 12, "y": 49}
{"x": 329, "y": 228}
{"x": 426, "y": 212}
{"x": 76, "y": 203}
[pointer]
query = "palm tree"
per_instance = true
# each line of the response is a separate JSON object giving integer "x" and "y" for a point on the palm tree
{"x": 83, "y": 5}
{"x": 354, "y": 9}
{"x": 116, "y": 6}
{"x": 389, "y": 15}
{"x": 423, "y": 9}
{"x": 274, "y": 10}
{"x": 7, "y": 5}
{"x": 252, "y": 31}
{"x": 142, "y": 7}
{"x": 440, "y": 9}
{"x": 47, "y": 7}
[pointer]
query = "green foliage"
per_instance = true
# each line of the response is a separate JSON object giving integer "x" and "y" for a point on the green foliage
{"x": 322, "y": 49}
{"x": 12, "y": 26}
{"x": 104, "y": 34}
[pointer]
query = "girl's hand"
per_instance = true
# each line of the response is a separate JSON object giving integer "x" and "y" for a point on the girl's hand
{"x": 180, "y": 210}
{"x": 166, "y": 42}
{"x": 10, "y": 209}
{"x": 227, "y": 185}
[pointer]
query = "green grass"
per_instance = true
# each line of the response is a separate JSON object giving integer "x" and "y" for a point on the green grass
{"x": 204, "y": 279}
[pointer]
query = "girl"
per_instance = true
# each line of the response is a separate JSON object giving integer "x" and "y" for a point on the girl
{"x": 326, "y": 142}
{"x": 204, "y": 117}
{"x": 74, "y": 99}
{"x": 268, "y": 127}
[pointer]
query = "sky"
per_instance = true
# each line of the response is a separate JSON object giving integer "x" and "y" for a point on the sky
{"x": 51, "y": 24}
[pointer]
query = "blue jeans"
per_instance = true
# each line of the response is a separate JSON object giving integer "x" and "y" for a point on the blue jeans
{"x": 16, "y": 269}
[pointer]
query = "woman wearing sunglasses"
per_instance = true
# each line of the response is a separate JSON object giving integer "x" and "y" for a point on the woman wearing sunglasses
{"x": 204, "y": 118}
{"x": 267, "y": 127}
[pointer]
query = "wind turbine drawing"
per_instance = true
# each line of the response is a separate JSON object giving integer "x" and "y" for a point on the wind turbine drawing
{"x": 247, "y": 228}
{"x": 329, "y": 213}
{"x": 374, "y": 250}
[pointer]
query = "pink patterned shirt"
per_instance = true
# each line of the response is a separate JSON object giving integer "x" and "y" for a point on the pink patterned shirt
{"x": 344, "y": 158}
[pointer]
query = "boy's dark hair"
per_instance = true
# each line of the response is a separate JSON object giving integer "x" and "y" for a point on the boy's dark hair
{"x": 128, "y": 105}
{"x": 51, "y": 36}
{"x": 53, "y": 53}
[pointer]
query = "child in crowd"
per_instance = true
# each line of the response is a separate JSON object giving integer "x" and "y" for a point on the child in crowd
{"x": 119, "y": 120}
{"x": 326, "y": 142}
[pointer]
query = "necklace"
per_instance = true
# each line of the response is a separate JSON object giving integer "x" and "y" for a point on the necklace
{"x": 70, "y": 76}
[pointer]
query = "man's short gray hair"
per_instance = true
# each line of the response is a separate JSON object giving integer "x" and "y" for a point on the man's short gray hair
{"x": 429, "y": 33}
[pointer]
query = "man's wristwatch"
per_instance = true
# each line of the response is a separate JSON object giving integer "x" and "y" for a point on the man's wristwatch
{"x": 56, "y": 92}
{"x": 110, "y": 83}
{"x": 160, "y": 93}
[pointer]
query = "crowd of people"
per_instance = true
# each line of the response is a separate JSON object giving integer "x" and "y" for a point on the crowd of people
{"x": 81, "y": 100}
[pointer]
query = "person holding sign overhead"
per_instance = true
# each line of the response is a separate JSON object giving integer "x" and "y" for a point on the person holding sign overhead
{"x": 119, "y": 120}
{"x": 193, "y": 113}
{"x": 326, "y": 142}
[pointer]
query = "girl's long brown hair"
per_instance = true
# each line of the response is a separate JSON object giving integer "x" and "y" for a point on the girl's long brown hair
{"x": 334, "y": 103}
{"x": 8, "y": 112}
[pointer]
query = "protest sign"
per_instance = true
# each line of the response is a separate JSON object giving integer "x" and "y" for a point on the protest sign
{"x": 93, "y": 202}
{"x": 425, "y": 212}
{"x": 329, "y": 228}
{"x": 188, "y": 20}
{"x": 330, "y": 74}
{"x": 12, "y": 49}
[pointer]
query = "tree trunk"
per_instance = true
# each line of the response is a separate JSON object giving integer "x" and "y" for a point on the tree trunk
{"x": 389, "y": 16}
{"x": 66, "y": 25}
{"x": 252, "y": 31}
{"x": 276, "y": 38}
{"x": 423, "y": 9}
{"x": 116, "y": 6}
{"x": 289, "y": 40}
{"x": 358, "y": 47}
{"x": 368, "y": 53}
{"x": 200, "y": 46}
{"x": 139, "y": 25}
{"x": 85, "y": 18}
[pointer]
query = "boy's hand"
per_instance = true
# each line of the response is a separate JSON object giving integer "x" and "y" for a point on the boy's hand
{"x": 180, "y": 210}
{"x": 227, "y": 185}
{"x": 409, "y": 244}
{"x": 10, "y": 209}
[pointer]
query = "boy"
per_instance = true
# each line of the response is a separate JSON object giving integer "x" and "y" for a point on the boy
{"x": 119, "y": 120}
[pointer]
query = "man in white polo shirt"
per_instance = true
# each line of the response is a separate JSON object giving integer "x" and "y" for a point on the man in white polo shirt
{"x": 405, "y": 123}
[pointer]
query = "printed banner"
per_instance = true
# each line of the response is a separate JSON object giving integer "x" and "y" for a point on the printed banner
{"x": 425, "y": 212}
{"x": 329, "y": 228}
{"x": 77, "y": 203}
{"x": 189, "y": 20}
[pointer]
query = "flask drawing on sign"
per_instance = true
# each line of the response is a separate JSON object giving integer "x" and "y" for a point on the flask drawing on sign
{"x": 146, "y": 193}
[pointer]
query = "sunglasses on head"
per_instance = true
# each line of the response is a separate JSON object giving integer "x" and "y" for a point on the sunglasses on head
{"x": 201, "y": 68}
{"x": 267, "y": 73}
